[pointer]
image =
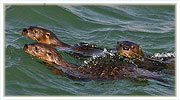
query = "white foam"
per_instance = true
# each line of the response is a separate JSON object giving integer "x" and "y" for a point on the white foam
{"x": 166, "y": 55}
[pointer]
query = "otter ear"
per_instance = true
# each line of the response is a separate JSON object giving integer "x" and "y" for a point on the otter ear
{"x": 132, "y": 46}
{"x": 140, "y": 51}
{"x": 140, "y": 48}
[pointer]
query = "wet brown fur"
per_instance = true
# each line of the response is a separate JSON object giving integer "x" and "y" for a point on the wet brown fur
{"x": 47, "y": 37}
{"x": 119, "y": 69}
{"x": 124, "y": 48}
{"x": 129, "y": 49}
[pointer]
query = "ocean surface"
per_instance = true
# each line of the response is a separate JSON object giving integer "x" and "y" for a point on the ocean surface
{"x": 153, "y": 27}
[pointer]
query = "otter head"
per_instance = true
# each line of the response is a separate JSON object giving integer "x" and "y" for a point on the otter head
{"x": 129, "y": 49}
{"x": 43, "y": 52}
{"x": 41, "y": 35}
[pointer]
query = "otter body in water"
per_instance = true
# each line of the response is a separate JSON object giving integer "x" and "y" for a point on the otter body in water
{"x": 116, "y": 70}
{"x": 47, "y": 37}
{"x": 124, "y": 48}
{"x": 134, "y": 51}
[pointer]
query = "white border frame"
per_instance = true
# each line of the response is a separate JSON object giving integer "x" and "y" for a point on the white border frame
{"x": 82, "y": 2}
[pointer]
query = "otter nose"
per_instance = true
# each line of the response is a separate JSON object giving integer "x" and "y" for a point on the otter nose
{"x": 125, "y": 48}
{"x": 25, "y": 31}
{"x": 25, "y": 46}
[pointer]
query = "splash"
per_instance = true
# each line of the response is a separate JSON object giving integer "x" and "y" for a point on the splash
{"x": 108, "y": 57}
{"x": 163, "y": 56}
{"x": 167, "y": 55}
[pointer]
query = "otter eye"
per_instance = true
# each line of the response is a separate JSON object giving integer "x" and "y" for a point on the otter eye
{"x": 35, "y": 31}
{"x": 49, "y": 54}
{"x": 47, "y": 34}
{"x": 36, "y": 49}
{"x": 125, "y": 48}
{"x": 133, "y": 47}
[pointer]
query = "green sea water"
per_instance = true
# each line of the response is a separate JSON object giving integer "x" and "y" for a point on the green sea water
{"x": 153, "y": 27}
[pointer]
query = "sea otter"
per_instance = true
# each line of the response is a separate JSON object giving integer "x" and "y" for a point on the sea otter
{"x": 129, "y": 49}
{"x": 134, "y": 51}
{"x": 47, "y": 37}
{"x": 119, "y": 69}
{"x": 124, "y": 48}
